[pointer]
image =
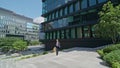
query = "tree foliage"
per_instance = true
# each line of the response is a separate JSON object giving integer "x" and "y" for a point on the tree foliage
{"x": 109, "y": 22}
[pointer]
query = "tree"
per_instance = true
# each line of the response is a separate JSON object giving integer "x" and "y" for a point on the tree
{"x": 109, "y": 22}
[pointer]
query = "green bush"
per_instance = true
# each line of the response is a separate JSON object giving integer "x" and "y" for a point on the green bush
{"x": 7, "y": 41}
{"x": 112, "y": 57}
{"x": 116, "y": 65}
{"x": 110, "y": 48}
{"x": 19, "y": 45}
{"x": 100, "y": 52}
{"x": 111, "y": 54}
{"x": 8, "y": 44}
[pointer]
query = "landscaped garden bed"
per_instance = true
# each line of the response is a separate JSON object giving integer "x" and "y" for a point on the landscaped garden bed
{"x": 111, "y": 54}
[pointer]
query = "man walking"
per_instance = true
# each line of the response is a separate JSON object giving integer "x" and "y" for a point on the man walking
{"x": 57, "y": 46}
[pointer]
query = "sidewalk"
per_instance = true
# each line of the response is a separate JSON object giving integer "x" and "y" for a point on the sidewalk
{"x": 70, "y": 58}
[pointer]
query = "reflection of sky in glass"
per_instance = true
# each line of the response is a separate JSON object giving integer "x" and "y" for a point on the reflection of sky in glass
{"x": 60, "y": 23}
{"x": 29, "y": 25}
{"x": 54, "y": 5}
{"x": 32, "y": 26}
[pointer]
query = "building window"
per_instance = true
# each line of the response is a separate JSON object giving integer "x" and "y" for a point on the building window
{"x": 84, "y": 4}
{"x": 79, "y": 32}
{"x": 56, "y": 14}
{"x": 67, "y": 34}
{"x": 62, "y": 34}
{"x": 58, "y": 34}
{"x": 93, "y": 31}
{"x": 77, "y": 7}
{"x": 52, "y": 15}
{"x": 61, "y": 12}
{"x": 66, "y": 11}
{"x": 71, "y": 8}
{"x": 49, "y": 17}
{"x": 73, "y": 33}
{"x": 86, "y": 31}
{"x": 48, "y": 35}
{"x": 54, "y": 35}
{"x": 51, "y": 35}
{"x": 100, "y": 1}
{"x": 70, "y": 19}
{"x": 92, "y": 2}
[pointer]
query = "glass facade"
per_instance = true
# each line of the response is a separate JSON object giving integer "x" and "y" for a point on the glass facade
{"x": 71, "y": 9}
{"x": 100, "y": 1}
{"x": 92, "y": 2}
{"x": 16, "y": 25}
{"x": 77, "y": 6}
{"x": 86, "y": 31}
{"x": 49, "y": 5}
{"x": 32, "y": 31}
{"x": 84, "y": 4}
{"x": 10, "y": 25}
{"x": 63, "y": 18}
{"x": 79, "y": 32}
{"x": 73, "y": 33}
{"x": 74, "y": 7}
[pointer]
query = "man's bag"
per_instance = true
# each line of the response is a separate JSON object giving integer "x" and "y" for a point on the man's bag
{"x": 54, "y": 49}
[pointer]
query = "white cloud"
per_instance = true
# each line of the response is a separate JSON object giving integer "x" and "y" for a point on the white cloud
{"x": 39, "y": 20}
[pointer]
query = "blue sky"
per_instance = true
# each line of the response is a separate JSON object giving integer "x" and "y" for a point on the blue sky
{"x": 29, "y": 8}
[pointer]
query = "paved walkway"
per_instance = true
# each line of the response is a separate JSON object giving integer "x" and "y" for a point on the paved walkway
{"x": 70, "y": 58}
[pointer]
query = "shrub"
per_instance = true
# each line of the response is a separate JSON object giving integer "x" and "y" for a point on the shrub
{"x": 116, "y": 65}
{"x": 6, "y": 43}
{"x": 110, "y": 48}
{"x": 5, "y": 49}
{"x": 112, "y": 57}
{"x": 19, "y": 45}
{"x": 100, "y": 52}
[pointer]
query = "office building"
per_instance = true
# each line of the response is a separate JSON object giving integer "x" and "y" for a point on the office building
{"x": 15, "y": 25}
{"x": 72, "y": 21}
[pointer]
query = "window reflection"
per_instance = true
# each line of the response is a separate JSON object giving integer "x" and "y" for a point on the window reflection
{"x": 100, "y": 1}
{"x": 66, "y": 11}
{"x": 92, "y": 2}
{"x": 77, "y": 6}
{"x": 84, "y": 4}
{"x": 71, "y": 9}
